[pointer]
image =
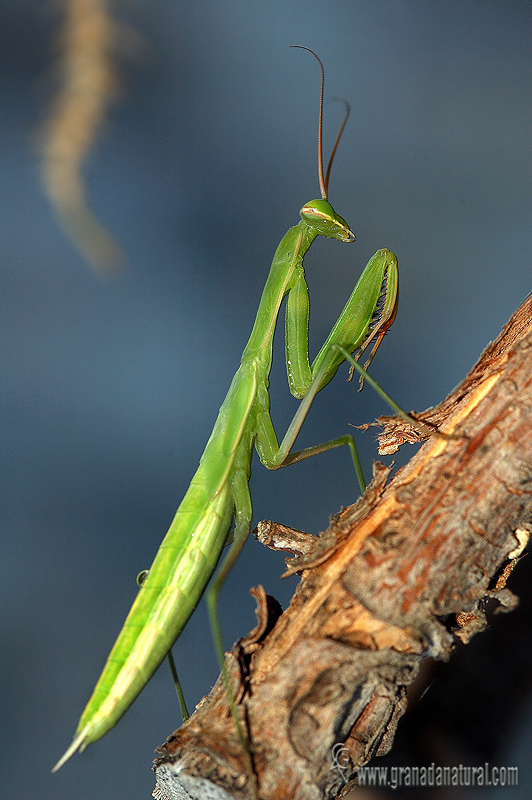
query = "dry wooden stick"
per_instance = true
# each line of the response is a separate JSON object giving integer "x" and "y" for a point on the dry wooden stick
{"x": 397, "y": 578}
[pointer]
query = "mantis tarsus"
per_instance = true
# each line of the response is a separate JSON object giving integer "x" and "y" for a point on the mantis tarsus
{"x": 219, "y": 490}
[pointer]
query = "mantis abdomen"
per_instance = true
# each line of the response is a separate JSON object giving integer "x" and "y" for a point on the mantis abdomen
{"x": 182, "y": 567}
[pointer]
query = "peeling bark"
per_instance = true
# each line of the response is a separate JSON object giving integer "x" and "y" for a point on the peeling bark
{"x": 397, "y": 578}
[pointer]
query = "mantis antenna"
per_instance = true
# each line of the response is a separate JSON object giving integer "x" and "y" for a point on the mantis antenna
{"x": 324, "y": 182}
{"x": 333, "y": 152}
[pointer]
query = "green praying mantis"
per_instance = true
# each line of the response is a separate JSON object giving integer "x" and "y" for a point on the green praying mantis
{"x": 219, "y": 492}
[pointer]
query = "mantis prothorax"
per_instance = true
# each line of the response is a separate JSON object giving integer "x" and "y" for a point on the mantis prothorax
{"x": 219, "y": 493}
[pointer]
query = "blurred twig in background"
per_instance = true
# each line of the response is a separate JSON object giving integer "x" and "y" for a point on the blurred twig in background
{"x": 87, "y": 86}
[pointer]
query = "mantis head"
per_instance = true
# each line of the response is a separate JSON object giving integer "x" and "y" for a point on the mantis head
{"x": 320, "y": 215}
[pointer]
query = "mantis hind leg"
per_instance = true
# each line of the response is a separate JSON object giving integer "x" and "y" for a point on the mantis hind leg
{"x": 242, "y": 515}
{"x": 178, "y": 688}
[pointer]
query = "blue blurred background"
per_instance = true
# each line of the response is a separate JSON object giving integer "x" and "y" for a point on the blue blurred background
{"x": 111, "y": 387}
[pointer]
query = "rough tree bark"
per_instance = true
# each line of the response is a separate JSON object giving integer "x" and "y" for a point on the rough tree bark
{"x": 397, "y": 578}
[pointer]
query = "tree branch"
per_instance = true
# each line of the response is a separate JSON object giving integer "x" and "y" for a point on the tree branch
{"x": 397, "y": 578}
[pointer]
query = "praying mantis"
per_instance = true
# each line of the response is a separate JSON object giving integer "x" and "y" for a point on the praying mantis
{"x": 219, "y": 492}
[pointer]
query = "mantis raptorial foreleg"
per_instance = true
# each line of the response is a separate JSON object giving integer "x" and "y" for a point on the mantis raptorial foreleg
{"x": 219, "y": 493}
